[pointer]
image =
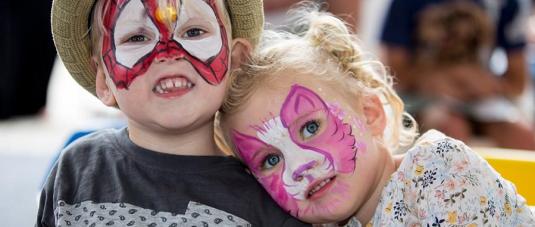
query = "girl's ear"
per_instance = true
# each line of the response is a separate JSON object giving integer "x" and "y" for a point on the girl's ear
{"x": 241, "y": 49}
{"x": 103, "y": 91}
{"x": 375, "y": 115}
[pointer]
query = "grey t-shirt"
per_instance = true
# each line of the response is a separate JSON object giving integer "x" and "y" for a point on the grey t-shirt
{"x": 104, "y": 179}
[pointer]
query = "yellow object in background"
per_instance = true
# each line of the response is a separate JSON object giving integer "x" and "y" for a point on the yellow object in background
{"x": 517, "y": 166}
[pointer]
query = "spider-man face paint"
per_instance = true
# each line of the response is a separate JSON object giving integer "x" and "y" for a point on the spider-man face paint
{"x": 142, "y": 31}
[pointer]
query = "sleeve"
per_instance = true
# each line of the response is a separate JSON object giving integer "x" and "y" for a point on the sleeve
{"x": 512, "y": 24}
{"x": 398, "y": 27}
{"x": 45, "y": 212}
{"x": 457, "y": 187}
{"x": 290, "y": 222}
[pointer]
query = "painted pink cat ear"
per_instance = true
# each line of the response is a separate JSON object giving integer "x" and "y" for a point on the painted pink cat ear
{"x": 300, "y": 100}
{"x": 247, "y": 145}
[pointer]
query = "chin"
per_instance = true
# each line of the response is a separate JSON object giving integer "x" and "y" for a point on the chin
{"x": 327, "y": 210}
{"x": 174, "y": 124}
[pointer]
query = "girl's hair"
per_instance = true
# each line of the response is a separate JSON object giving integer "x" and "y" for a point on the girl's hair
{"x": 324, "y": 49}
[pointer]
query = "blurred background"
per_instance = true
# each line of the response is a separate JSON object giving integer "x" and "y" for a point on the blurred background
{"x": 464, "y": 67}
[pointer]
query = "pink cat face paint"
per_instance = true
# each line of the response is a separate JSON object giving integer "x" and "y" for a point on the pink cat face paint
{"x": 298, "y": 155}
{"x": 140, "y": 32}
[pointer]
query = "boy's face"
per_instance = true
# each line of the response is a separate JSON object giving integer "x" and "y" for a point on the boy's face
{"x": 142, "y": 31}
{"x": 308, "y": 146}
{"x": 167, "y": 59}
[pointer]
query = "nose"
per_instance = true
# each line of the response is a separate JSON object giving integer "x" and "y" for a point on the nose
{"x": 300, "y": 172}
{"x": 163, "y": 58}
{"x": 169, "y": 51}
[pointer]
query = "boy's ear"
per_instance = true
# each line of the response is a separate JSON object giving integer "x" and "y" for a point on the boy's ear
{"x": 240, "y": 51}
{"x": 375, "y": 115}
{"x": 103, "y": 91}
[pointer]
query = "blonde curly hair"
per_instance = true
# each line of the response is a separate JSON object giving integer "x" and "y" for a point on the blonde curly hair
{"x": 325, "y": 49}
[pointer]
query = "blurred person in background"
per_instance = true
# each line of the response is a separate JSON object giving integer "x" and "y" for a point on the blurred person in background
{"x": 440, "y": 50}
{"x": 26, "y": 58}
{"x": 348, "y": 10}
{"x": 531, "y": 40}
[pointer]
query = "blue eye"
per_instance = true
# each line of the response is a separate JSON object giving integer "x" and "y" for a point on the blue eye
{"x": 137, "y": 38}
{"x": 310, "y": 129}
{"x": 271, "y": 161}
{"x": 194, "y": 32}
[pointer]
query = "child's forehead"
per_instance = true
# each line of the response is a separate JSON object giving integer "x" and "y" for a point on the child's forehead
{"x": 322, "y": 85}
{"x": 178, "y": 8}
{"x": 272, "y": 93}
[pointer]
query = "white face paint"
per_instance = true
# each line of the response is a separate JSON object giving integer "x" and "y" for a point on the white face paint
{"x": 199, "y": 14}
{"x": 134, "y": 21}
{"x": 301, "y": 166}
{"x": 192, "y": 14}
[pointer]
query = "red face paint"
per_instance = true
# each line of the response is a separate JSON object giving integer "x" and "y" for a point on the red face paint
{"x": 165, "y": 21}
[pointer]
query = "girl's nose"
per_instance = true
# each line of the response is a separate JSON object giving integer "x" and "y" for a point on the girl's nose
{"x": 300, "y": 172}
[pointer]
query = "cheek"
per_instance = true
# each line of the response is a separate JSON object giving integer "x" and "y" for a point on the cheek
{"x": 275, "y": 187}
{"x": 253, "y": 165}
{"x": 273, "y": 184}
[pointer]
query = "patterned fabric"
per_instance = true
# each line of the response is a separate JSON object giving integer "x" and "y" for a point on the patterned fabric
{"x": 92, "y": 214}
{"x": 442, "y": 182}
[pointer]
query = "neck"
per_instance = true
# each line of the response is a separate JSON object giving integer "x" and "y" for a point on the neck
{"x": 198, "y": 141}
{"x": 366, "y": 212}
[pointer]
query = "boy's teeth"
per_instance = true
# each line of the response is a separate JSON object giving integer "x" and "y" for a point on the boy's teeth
{"x": 159, "y": 89}
{"x": 166, "y": 85}
{"x": 169, "y": 84}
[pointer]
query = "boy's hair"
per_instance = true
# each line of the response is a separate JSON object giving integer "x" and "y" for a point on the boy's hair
{"x": 327, "y": 51}
{"x": 71, "y": 32}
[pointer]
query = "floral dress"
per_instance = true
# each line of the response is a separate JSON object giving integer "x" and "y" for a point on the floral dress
{"x": 442, "y": 182}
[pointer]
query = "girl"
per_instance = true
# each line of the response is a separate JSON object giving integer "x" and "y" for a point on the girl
{"x": 317, "y": 125}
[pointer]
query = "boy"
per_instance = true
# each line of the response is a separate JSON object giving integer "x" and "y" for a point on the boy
{"x": 164, "y": 64}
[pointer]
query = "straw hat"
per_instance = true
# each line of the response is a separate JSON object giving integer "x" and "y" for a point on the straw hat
{"x": 70, "y": 25}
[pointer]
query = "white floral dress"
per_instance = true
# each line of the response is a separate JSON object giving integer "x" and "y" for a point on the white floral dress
{"x": 442, "y": 182}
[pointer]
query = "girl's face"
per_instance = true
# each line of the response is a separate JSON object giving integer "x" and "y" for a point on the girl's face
{"x": 309, "y": 145}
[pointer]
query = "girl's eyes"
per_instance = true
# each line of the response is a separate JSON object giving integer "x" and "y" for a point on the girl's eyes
{"x": 194, "y": 32}
{"x": 271, "y": 161}
{"x": 310, "y": 129}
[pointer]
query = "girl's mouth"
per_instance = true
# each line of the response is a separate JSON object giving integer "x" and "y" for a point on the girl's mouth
{"x": 318, "y": 188}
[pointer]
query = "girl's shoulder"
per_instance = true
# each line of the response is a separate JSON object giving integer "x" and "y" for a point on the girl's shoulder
{"x": 442, "y": 181}
{"x": 435, "y": 153}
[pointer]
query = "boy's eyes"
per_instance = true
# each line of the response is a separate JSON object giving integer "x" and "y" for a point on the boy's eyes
{"x": 193, "y": 33}
{"x": 137, "y": 38}
{"x": 271, "y": 161}
{"x": 309, "y": 129}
